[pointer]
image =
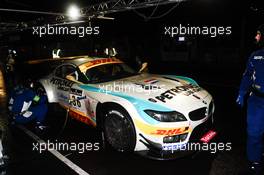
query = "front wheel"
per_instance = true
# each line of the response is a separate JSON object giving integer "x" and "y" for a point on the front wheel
{"x": 119, "y": 130}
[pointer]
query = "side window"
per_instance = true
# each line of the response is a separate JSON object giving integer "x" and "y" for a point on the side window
{"x": 65, "y": 70}
{"x": 71, "y": 73}
{"x": 81, "y": 77}
{"x": 58, "y": 72}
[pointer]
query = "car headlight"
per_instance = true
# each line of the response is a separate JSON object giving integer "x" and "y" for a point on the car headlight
{"x": 172, "y": 116}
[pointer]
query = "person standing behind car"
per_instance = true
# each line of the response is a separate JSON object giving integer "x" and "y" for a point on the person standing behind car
{"x": 57, "y": 52}
{"x": 142, "y": 67}
{"x": 10, "y": 67}
{"x": 252, "y": 84}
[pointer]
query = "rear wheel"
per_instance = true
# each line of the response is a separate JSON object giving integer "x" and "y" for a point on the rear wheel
{"x": 119, "y": 130}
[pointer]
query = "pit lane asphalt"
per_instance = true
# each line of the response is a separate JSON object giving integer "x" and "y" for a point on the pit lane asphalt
{"x": 229, "y": 119}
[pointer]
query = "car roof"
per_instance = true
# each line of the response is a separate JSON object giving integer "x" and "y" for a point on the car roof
{"x": 42, "y": 67}
{"x": 76, "y": 60}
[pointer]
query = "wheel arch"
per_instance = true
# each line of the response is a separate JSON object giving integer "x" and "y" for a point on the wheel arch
{"x": 49, "y": 91}
{"x": 101, "y": 109}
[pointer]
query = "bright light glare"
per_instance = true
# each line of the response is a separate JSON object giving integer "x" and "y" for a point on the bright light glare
{"x": 74, "y": 12}
{"x": 182, "y": 38}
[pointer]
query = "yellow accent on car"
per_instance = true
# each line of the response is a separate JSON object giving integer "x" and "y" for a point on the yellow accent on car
{"x": 160, "y": 131}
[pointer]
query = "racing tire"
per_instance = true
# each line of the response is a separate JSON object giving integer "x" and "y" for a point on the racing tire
{"x": 119, "y": 131}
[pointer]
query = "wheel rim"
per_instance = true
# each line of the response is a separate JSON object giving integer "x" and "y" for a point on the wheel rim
{"x": 117, "y": 132}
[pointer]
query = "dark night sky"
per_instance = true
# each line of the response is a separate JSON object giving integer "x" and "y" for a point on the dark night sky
{"x": 233, "y": 13}
{"x": 200, "y": 10}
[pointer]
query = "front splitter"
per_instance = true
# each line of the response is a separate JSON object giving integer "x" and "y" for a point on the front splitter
{"x": 165, "y": 155}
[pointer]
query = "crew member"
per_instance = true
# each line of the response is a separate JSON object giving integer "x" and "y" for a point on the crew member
{"x": 10, "y": 65}
{"x": 110, "y": 52}
{"x": 252, "y": 84}
{"x": 142, "y": 67}
{"x": 57, "y": 52}
{"x": 27, "y": 105}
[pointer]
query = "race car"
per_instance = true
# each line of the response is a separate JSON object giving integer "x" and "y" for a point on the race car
{"x": 151, "y": 114}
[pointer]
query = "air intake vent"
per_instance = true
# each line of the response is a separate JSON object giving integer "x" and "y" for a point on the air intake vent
{"x": 211, "y": 107}
{"x": 198, "y": 114}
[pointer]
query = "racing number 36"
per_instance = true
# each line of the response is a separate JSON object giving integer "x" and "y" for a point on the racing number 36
{"x": 76, "y": 102}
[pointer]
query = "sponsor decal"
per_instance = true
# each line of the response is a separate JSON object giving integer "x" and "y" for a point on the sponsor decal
{"x": 186, "y": 90}
{"x": 160, "y": 131}
{"x": 89, "y": 108}
{"x": 98, "y": 62}
{"x": 63, "y": 97}
{"x": 61, "y": 84}
{"x": 148, "y": 86}
{"x": 75, "y": 102}
{"x": 76, "y": 92}
{"x": 177, "y": 146}
{"x": 151, "y": 81}
{"x": 152, "y": 100}
{"x": 169, "y": 132}
{"x": 204, "y": 102}
{"x": 81, "y": 117}
{"x": 82, "y": 98}
{"x": 208, "y": 136}
{"x": 197, "y": 97}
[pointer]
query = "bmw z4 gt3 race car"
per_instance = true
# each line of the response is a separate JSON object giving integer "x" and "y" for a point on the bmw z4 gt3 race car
{"x": 147, "y": 113}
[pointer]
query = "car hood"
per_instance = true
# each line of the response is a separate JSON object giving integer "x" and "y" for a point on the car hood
{"x": 168, "y": 90}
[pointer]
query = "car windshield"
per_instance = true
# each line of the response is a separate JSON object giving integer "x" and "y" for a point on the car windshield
{"x": 108, "y": 72}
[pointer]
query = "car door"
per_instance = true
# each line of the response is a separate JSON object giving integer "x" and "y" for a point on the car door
{"x": 61, "y": 84}
{"x": 81, "y": 104}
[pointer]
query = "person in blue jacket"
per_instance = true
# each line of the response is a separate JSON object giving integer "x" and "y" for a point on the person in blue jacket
{"x": 252, "y": 85}
{"x": 28, "y": 105}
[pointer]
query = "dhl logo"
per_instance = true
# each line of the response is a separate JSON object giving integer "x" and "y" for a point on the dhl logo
{"x": 170, "y": 131}
{"x": 94, "y": 63}
{"x": 81, "y": 118}
{"x": 160, "y": 131}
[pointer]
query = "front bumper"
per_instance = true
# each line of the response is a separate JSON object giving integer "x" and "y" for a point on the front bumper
{"x": 156, "y": 151}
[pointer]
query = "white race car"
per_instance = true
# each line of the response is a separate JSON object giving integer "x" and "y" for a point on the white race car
{"x": 152, "y": 114}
